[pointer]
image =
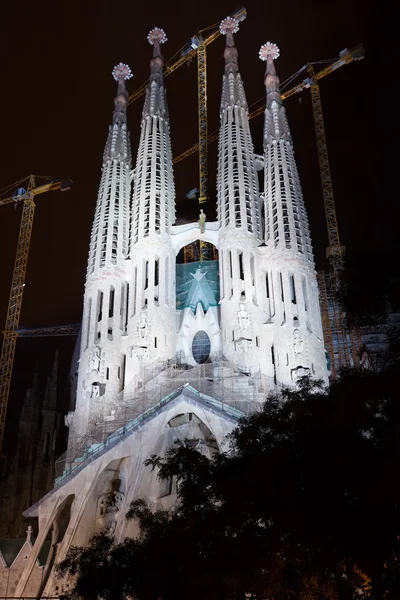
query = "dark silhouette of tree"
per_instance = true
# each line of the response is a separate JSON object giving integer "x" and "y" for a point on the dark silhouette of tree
{"x": 305, "y": 504}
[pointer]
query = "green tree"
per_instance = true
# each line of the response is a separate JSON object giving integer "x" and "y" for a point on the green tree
{"x": 305, "y": 504}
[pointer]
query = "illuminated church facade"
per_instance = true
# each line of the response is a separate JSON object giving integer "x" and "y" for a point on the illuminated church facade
{"x": 179, "y": 351}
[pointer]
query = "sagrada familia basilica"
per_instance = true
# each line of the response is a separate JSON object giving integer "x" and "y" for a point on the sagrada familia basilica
{"x": 177, "y": 352}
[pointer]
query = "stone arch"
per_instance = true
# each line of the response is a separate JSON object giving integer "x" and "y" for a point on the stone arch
{"x": 186, "y": 427}
{"x": 184, "y": 235}
{"x": 55, "y": 536}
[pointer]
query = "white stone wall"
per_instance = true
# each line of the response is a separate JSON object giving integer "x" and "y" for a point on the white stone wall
{"x": 122, "y": 463}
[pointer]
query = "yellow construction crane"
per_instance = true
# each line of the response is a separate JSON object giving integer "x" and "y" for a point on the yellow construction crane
{"x": 10, "y": 332}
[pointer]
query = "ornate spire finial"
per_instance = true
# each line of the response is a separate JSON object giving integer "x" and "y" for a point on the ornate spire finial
{"x": 157, "y": 36}
{"x": 228, "y": 27}
{"x": 269, "y": 52}
{"x": 121, "y": 72}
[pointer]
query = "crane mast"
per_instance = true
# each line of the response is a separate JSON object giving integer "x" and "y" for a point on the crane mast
{"x": 10, "y": 333}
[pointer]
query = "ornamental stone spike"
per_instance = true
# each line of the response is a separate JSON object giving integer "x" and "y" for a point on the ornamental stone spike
{"x": 156, "y": 37}
{"x": 228, "y": 27}
{"x": 269, "y": 52}
{"x": 121, "y": 73}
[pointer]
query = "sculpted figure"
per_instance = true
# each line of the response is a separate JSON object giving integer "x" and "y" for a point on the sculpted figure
{"x": 142, "y": 326}
{"x": 202, "y": 220}
{"x": 243, "y": 317}
{"x": 94, "y": 362}
{"x": 298, "y": 344}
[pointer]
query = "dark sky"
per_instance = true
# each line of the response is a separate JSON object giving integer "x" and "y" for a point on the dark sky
{"x": 57, "y": 100}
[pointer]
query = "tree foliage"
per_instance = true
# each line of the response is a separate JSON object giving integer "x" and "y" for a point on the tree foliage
{"x": 305, "y": 504}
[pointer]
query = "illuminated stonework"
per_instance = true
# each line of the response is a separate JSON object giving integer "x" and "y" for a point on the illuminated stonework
{"x": 169, "y": 353}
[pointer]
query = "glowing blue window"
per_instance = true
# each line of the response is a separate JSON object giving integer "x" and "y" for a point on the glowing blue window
{"x": 201, "y": 347}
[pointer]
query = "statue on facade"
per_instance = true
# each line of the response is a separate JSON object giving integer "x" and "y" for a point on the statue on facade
{"x": 108, "y": 507}
{"x": 202, "y": 220}
{"x": 298, "y": 344}
{"x": 142, "y": 326}
{"x": 94, "y": 362}
{"x": 243, "y": 317}
{"x": 95, "y": 392}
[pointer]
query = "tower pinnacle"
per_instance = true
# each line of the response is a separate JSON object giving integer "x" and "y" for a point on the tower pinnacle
{"x": 228, "y": 27}
{"x": 155, "y": 103}
{"x": 269, "y": 52}
{"x": 156, "y": 37}
{"x": 121, "y": 73}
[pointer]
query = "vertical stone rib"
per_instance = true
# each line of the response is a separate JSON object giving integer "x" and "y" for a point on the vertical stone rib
{"x": 238, "y": 194}
{"x": 286, "y": 223}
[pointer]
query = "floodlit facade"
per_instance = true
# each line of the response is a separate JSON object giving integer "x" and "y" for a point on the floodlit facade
{"x": 179, "y": 351}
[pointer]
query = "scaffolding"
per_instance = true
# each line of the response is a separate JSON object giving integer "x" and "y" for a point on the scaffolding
{"x": 231, "y": 390}
{"x": 341, "y": 343}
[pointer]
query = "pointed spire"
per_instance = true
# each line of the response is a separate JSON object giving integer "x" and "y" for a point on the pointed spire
{"x": 276, "y": 126}
{"x": 269, "y": 52}
{"x": 237, "y": 202}
{"x": 228, "y": 27}
{"x": 286, "y": 224}
{"x": 156, "y": 37}
{"x": 154, "y": 191}
{"x": 155, "y": 103}
{"x": 121, "y": 73}
{"x": 117, "y": 145}
{"x": 232, "y": 87}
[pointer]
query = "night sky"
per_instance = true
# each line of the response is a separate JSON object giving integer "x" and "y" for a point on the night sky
{"x": 57, "y": 101}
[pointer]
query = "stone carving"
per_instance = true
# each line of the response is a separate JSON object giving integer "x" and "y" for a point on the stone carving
{"x": 29, "y": 533}
{"x": 142, "y": 326}
{"x": 242, "y": 345}
{"x": 202, "y": 220}
{"x": 95, "y": 390}
{"x": 142, "y": 352}
{"x": 298, "y": 344}
{"x": 108, "y": 507}
{"x": 94, "y": 362}
{"x": 68, "y": 418}
{"x": 243, "y": 316}
{"x": 300, "y": 372}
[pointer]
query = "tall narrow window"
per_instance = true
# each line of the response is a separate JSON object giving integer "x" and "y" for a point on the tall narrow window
{"x": 241, "y": 270}
{"x": 305, "y": 295}
{"x": 292, "y": 289}
{"x": 252, "y": 270}
{"x": 266, "y": 284}
{"x": 146, "y": 275}
{"x": 230, "y": 264}
{"x": 166, "y": 280}
{"x": 282, "y": 294}
{"x": 126, "y": 307}
{"x": 88, "y": 322}
{"x": 273, "y": 362}
{"x": 155, "y": 342}
{"x": 134, "y": 291}
{"x": 100, "y": 306}
{"x": 122, "y": 305}
{"x": 156, "y": 271}
{"x": 121, "y": 372}
{"x": 111, "y": 303}
{"x": 221, "y": 279}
